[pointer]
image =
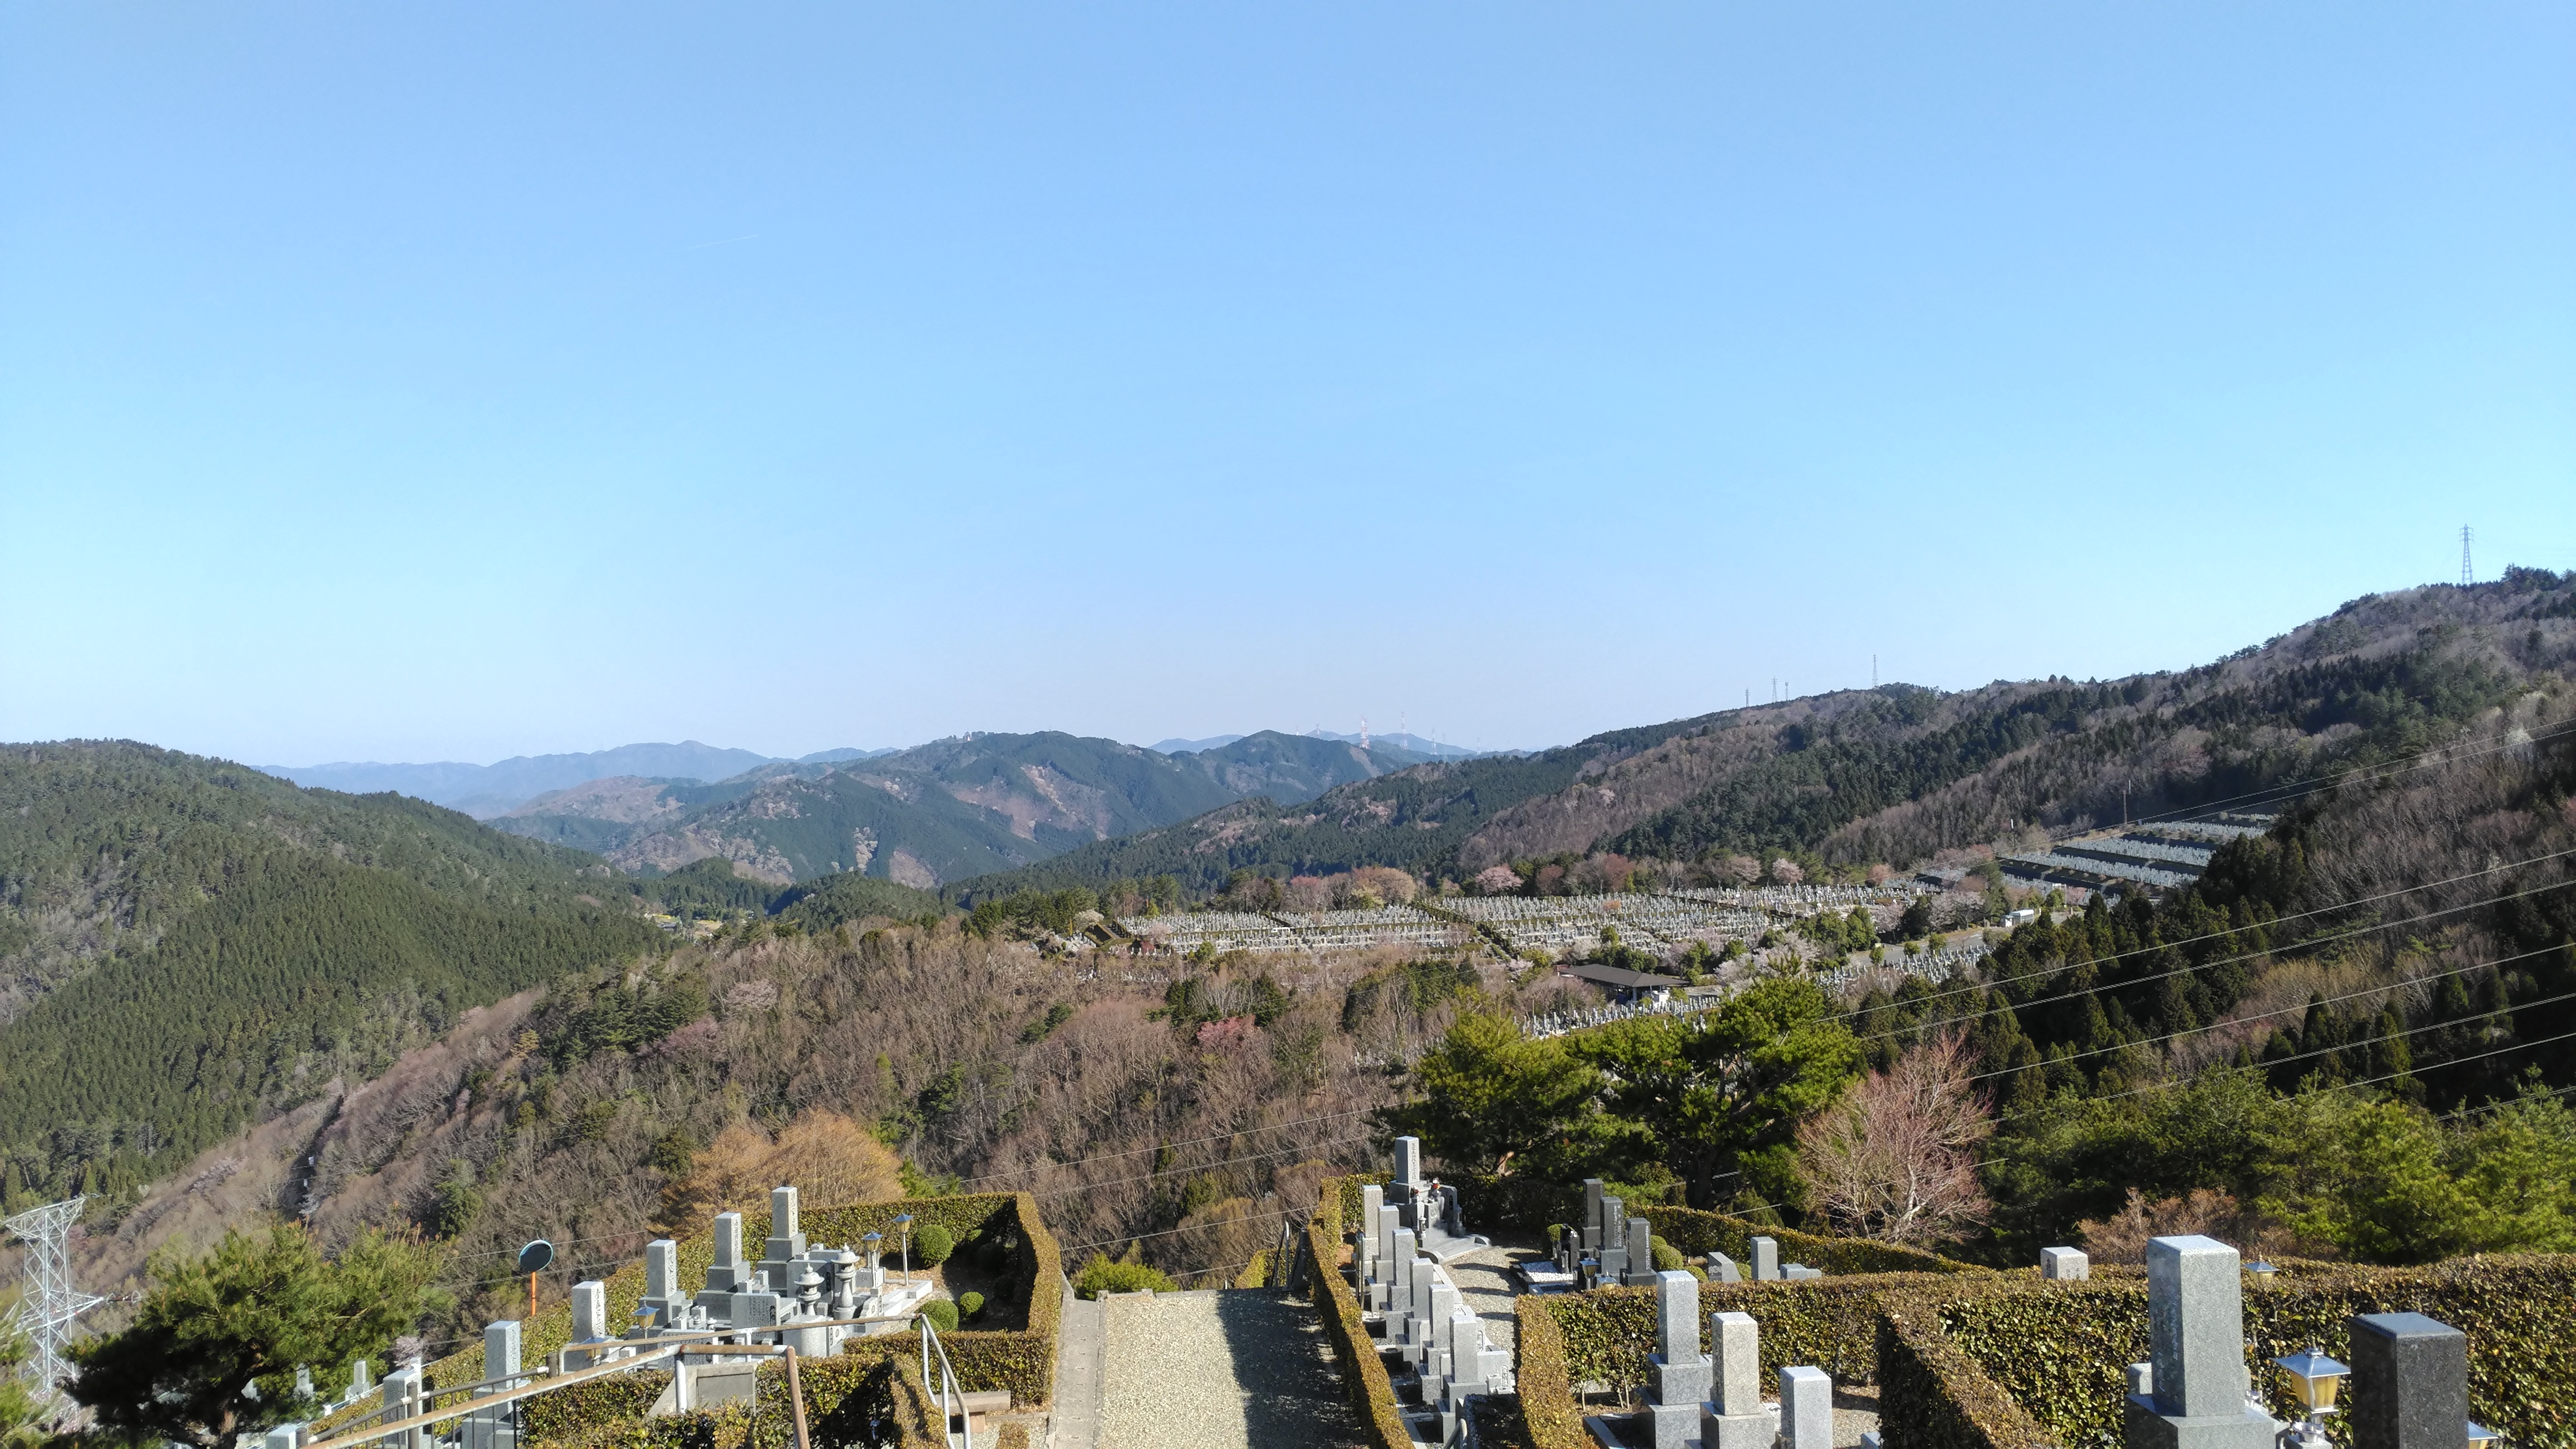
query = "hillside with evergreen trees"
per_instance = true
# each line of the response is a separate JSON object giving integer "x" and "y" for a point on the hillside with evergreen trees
{"x": 187, "y": 943}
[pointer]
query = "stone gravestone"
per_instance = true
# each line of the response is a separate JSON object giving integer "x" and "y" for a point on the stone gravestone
{"x": 492, "y": 1428}
{"x": 402, "y": 1401}
{"x": 786, "y": 1241}
{"x": 1408, "y": 1162}
{"x": 1591, "y": 1215}
{"x": 663, "y": 1300}
{"x": 2064, "y": 1265}
{"x": 1399, "y": 1277}
{"x": 727, "y": 1274}
{"x": 1766, "y": 1260}
{"x": 1417, "y": 1326}
{"x": 2410, "y": 1382}
{"x": 2196, "y": 1382}
{"x": 1641, "y": 1255}
{"x": 1681, "y": 1373}
{"x": 1722, "y": 1269}
{"x": 1613, "y": 1254}
{"x": 1737, "y": 1418}
{"x": 589, "y": 1325}
{"x": 1806, "y": 1408}
{"x": 1372, "y": 1198}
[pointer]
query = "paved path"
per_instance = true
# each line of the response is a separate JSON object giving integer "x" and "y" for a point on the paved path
{"x": 1074, "y": 1422}
{"x": 1216, "y": 1369}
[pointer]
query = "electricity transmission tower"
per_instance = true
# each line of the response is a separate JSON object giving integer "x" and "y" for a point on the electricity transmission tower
{"x": 2466, "y": 576}
{"x": 49, "y": 1302}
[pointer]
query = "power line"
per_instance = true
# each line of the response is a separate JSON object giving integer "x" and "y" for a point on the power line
{"x": 2289, "y": 1010}
{"x": 1162, "y": 1146}
{"x": 2314, "y": 941}
{"x": 2349, "y": 1046}
{"x": 2402, "y": 765}
{"x": 1200, "y": 1167}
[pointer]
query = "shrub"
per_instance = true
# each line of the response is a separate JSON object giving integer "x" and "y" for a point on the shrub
{"x": 1102, "y": 1276}
{"x": 970, "y": 1304}
{"x": 1668, "y": 1259}
{"x": 932, "y": 1245}
{"x": 941, "y": 1313}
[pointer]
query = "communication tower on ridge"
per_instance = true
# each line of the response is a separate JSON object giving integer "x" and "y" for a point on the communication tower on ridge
{"x": 2467, "y": 577}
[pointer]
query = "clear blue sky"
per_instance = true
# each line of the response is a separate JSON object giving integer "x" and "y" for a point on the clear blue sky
{"x": 406, "y": 381}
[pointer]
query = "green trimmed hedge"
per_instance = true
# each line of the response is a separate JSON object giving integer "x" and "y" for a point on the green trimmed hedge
{"x": 1699, "y": 1233}
{"x": 848, "y": 1399}
{"x": 1372, "y": 1392}
{"x": 2057, "y": 1351}
{"x": 2006, "y": 1361}
{"x": 1605, "y": 1335}
{"x": 1546, "y": 1383}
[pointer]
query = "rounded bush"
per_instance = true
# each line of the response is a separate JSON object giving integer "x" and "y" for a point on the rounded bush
{"x": 941, "y": 1313}
{"x": 1102, "y": 1276}
{"x": 932, "y": 1245}
{"x": 1668, "y": 1259}
{"x": 970, "y": 1305}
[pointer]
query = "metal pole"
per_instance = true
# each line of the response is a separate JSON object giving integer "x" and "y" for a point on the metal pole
{"x": 796, "y": 1398}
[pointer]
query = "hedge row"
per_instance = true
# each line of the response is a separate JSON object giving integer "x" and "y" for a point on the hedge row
{"x": 1605, "y": 1335}
{"x": 1697, "y": 1233}
{"x": 2057, "y": 1351}
{"x": 851, "y": 1399}
{"x": 1546, "y": 1382}
{"x": 1996, "y": 1361}
{"x": 1372, "y": 1392}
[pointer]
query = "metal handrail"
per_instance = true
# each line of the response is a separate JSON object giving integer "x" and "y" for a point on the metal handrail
{"x": 648, "y": 1351}
{"x": 952, "y": 1399}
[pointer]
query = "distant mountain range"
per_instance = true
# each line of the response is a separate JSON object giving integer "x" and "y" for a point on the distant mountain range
{"x": 1403, "y": 740}
{"x": 934, "y": 813}
{"x": 484, "y": 791}
{"x": 1900, "y": 772}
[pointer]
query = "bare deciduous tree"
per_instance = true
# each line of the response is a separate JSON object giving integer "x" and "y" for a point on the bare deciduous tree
{"x": 1896, "y": 1159}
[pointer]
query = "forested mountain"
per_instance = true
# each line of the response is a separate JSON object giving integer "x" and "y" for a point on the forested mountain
{"x": 187, "y": 941}
{"x": 958, "y": 807}
{"x": 483, "y": 791}
{"x": 1900, "y": 772}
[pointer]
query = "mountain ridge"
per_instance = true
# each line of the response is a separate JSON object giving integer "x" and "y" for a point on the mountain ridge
{"x": 484, "y": 791}
{"x": 968, "y": 805}
{"x": 1899, "y": 772}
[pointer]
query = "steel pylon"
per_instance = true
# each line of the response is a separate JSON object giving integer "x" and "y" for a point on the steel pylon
{"x": 49, "y": 1301}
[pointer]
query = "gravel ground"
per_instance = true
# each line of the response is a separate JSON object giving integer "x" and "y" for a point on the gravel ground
{"x": 1484, "y": 1279}
{"x": 1217, "y": 1369}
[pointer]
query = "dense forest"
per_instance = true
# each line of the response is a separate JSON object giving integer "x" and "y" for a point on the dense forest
{"x": 191, "y": 944}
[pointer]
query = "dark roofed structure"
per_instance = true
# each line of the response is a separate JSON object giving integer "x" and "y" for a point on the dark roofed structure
{"x": 1619, "y": 979}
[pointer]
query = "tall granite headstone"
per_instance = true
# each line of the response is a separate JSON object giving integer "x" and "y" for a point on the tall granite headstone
{"x": 2410, "y": 1382}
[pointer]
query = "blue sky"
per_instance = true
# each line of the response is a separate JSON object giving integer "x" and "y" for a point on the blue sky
{"x": 398, "y": 381}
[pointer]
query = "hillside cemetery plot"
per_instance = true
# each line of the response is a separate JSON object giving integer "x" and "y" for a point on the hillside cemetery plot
{"x": 1298, "y": 931}
{"x": 2165, "y": 855}
{"x": 1572, "y": 925}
